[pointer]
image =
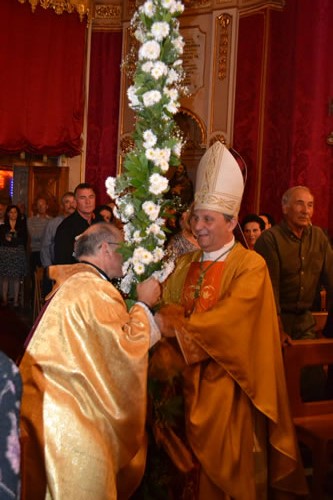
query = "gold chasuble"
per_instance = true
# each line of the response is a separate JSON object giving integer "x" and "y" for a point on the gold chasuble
{"x": 84, "y": 393}
{"x": 238, "y": 422}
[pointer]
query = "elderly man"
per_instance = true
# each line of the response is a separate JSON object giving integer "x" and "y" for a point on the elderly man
{"x": 74, "y": 224}
{"x": 299, "y": 258}
{"x": 84, "y": 380}
{"x": 220, "y": 307}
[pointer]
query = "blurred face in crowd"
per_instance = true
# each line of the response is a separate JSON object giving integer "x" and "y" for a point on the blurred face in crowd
{"x": 251, "y": 232}
{"x": 12, "y": 214}
{"x": 298, "y": 210}
{"x": 106, "y": 214}
{"x": 266, "y": 221}
{"x": 41, "y": 207}
{"x": 85, "y": 202}
{"x": 69, "y": 204}
{"x": 211, "y": 229}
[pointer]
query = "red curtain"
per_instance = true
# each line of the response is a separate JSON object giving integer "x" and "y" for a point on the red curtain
{"x": 247, "y": 103}
{"x": 42, "y": 58}
{"x": 103, "y": 110}
{"x": 285, "y": 142}
{"x": 297, "y": 121}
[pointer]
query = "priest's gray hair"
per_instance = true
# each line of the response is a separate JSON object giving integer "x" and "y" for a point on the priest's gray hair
{"x": 89, "y": 242}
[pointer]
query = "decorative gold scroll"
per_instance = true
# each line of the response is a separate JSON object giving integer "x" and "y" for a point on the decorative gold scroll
{"x": 224, "y": 21}
{"x": 82, "y": 7}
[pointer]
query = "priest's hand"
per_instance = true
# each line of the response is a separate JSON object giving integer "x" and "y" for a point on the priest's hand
{"x": 169, "y": 318}
{"x": 149, "y": 292}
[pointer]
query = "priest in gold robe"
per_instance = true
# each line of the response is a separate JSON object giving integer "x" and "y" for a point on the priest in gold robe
{"x": 84, "y": 380}
{"x": 219, "y": 305}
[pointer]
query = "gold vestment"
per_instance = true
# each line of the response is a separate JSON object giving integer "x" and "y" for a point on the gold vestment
{"x": 84, "y": 393}
{"x": 234, "y": 385}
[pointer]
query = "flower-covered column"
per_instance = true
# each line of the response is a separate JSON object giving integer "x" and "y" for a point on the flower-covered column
{"x": 154, "y": 96}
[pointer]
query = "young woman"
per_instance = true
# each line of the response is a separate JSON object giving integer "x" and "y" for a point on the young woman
{"x": 13, "y": 260}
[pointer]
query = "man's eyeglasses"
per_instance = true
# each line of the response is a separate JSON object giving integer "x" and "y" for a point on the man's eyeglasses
{"x": 112, "y": 243}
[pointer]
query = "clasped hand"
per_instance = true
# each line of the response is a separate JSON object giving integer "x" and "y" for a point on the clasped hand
{"x": 169, "y": 318}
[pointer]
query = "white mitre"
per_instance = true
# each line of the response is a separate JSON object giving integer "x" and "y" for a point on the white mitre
{"x": 219, "y": 182}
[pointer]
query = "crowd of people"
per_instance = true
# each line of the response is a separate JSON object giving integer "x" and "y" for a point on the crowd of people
{"x": 215, "y": 342}
{"x": 28, "y": 243}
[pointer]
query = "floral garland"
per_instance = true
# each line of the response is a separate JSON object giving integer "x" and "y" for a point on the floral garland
{"x": 154, "y": 96}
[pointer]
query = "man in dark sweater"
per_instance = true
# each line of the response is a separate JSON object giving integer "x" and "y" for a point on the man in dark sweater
{"x": 299, "y": 258}
{"x": 74, "y": 224}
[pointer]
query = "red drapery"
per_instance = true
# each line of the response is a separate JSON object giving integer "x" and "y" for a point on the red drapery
{"x": 287, "y": 138}
{"x": 103, "y": 110}
{"x": 42, "y": 59}
{"x": 247, "y": 103}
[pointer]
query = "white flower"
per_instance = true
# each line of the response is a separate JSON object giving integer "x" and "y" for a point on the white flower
{"x": 168, "y": 4}
{"x": 129, "y": 210}
{"x": 110, "y": 185}
{"x": 139, "y": 35}
{"x": 178, "y": 43}
{"x": 150, "y": 139}
{"x": 148, "y": 8}
{"x": 179, "y": 7}
{"x": 128, "y": 230}
{"x": 159, "y": 69}
{"x": 151, "y": 209}
{"x": 154, "y": 229}
{"x": 137, "y": 238}
{"x": 132, "y": 96}
{"x": 164, "y": 272}
{"x": 151, "y": 97}
{"x": 158, "y": 184}
{"x": 126, "y": 265}
{"x": 150, "y": 154}
{"x": 150, "y": 50}
{"x": 164, "y": 165}
{"x": 158, "y": 254}
{"x": 172, "y": 107}
{"x": 139, "y": 268}
{"x": 172, "y": 93}
{"x": 172, "y": 77}
{"x": 127, "y": 281}
{"x": 177, "y": 148}
{"x": 160, "y": 30}
{"x": 173, "y": 6}
{"x": 142, "y": 255}
{"x": 163, "y": 156}
{"x": 178, "y": 62}
{"x": 147, "y": 66}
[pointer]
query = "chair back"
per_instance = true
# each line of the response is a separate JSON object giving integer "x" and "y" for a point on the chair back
{"x": 299, "y": 354}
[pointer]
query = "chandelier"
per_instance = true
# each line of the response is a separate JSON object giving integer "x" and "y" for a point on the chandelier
{"x": 82, "y": 7}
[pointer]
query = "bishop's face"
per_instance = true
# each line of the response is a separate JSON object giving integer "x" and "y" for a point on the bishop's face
{"x": 211, "y": 229}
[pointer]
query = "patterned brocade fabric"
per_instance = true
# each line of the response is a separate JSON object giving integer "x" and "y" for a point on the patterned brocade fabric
{"x": 10, "y": 401}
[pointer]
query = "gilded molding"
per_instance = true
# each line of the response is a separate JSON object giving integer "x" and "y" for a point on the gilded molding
{"x": 193, "y": 4}
{"x": 82, "y": 7}
{"x": 107, "y": 16}
{"x": 224, "y": 21}
{"x": 103, "y": 11}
